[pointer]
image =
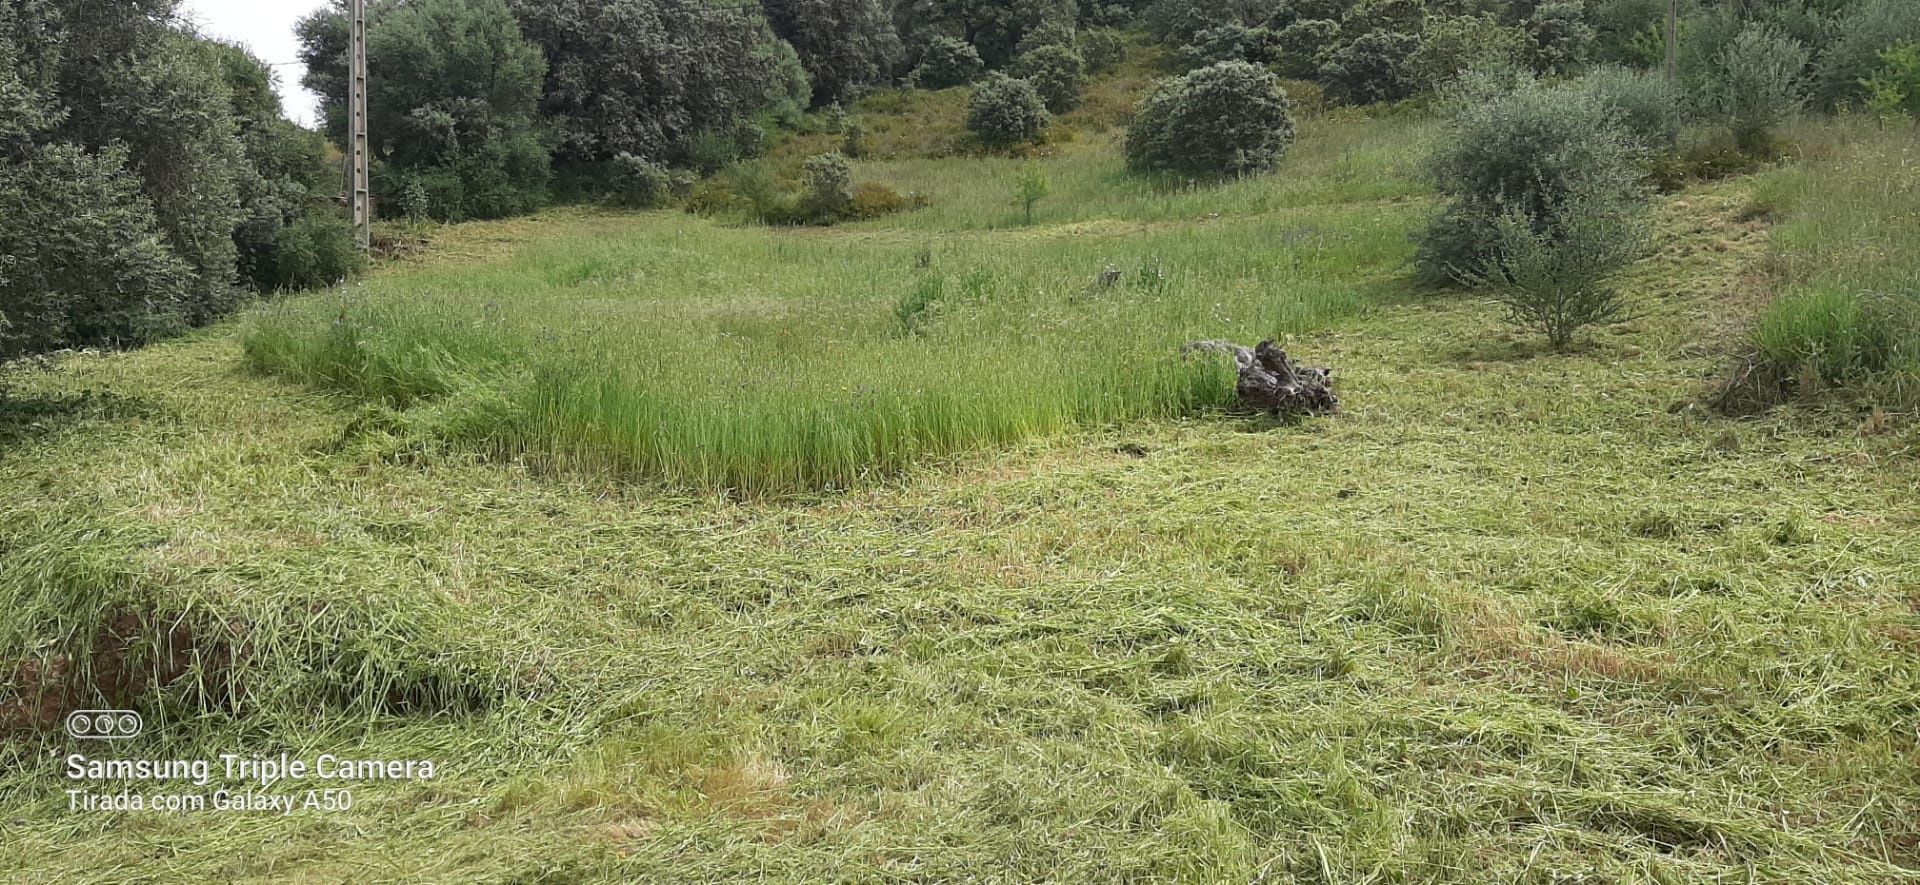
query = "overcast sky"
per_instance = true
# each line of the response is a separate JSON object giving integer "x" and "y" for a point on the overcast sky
{"x": 266, "y": 27}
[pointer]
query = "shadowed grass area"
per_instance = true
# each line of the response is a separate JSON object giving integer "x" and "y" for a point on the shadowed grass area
{"x": 773, "y": 361}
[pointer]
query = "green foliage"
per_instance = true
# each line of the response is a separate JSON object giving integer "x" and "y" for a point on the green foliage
{"x": 946, "y": 62}
{"x": 1104, "y": 49}
{"x": 845, "y": 45}
{"x": 316, "y": 250}
{"x": 1861, "y": 31}
{"x": 1646, "y": 105}
{"x": 1842, "y": 248}
{"x": 1759, "y": 80}
{"x": 1304, "y": 46}
{"x": 453, "y": 103}
{"x": 136, "y": 193}
{"x": 996, "y": 29}
{"x": 1372, "y": 68}
{"x": 1628, "y": 33}
{"x": 1232, "y": 41}
{"x": 871, "y": 199}
{"x": 1450, "y": 46}
{"x": 85, "y": 262}
{"x": 1030, "y": 187}
{"x": 1005, "y": 111}
{"x": 639, "y": 183}
{"x": 829, "y": 184}
{"x": 1228, "y": 119}
{"x": 1561, "y": 36}
{"x": 1558, "y": 281}
{"x": 1894, "y": 90}
{"x": 645, "y": 76}
{"x": 1521, "y": 148}
{"x": 1056, "y": 72}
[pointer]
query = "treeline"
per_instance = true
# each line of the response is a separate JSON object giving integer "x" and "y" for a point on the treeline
{"x": 1361, "y": 51}
{"x": 148, "y": 180}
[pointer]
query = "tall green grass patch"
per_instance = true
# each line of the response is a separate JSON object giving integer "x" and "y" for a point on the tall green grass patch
{"x": 1849, "y": 310}
{"x": 769, "y": 361}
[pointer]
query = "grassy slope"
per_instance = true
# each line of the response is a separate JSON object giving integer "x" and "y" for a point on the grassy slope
{"x": 1512, "y": 617}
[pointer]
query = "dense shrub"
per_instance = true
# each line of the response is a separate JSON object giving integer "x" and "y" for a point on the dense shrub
{"x": 1232, "y": 42}
{"x": 1646, "y": 105}
{"x": 82, "y": 257}
{"x": 1056, "y": 72}
{"x": 317, "y": 250}
{"x": 1628, "y": 32}
{"x": 1758, "y": 81}
{"x": 1522, "y": 148}
{"x": 871, "y": 199}
{"x": 1851, "y": 54}
{"x": 1894, "y": 90}
{"x": 845, "y": 45}
{"x": 1005, "y": 111}
{"x": 1451, "y": 46}
{"x": 1561, "y": 36}
{"x": 1372, "y": 68}
{"x": 144, "y": 173}
{"x": 829, "y": 183}
{"x": 946, "y": 62}
{"x": 640, "y": 183}
{"x": 1228, "y": 119}
{"x": 1304, "y": 46}
{"x": 1060, "y": 32}
{"x": 996, "y": 29}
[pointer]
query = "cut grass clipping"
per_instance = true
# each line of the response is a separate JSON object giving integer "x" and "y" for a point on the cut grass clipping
{"x": 768, "y": 361}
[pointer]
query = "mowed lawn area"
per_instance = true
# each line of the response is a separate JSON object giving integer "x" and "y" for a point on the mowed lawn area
{"x": 908, "y": 551}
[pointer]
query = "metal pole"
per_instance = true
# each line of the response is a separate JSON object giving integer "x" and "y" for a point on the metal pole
{"x": 359, "y": 193}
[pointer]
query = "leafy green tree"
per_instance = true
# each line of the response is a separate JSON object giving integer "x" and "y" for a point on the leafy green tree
{"x": 1232, "y": 118}
{"x": 648, "y": 76}
{"x": 845, "y": 45}
{"x": 452, "y": 103}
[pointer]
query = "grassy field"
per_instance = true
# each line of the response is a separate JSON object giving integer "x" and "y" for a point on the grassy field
{"x": 777, "y": 361}
{"x": 1514, "y": 616}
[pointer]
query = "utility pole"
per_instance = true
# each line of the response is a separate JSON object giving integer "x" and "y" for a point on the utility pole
{"x": 1673, "y": 36}
{"x": 359, "y": 194}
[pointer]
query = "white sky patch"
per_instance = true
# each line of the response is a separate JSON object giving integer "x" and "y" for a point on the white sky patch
{"x": 266, "y": 27}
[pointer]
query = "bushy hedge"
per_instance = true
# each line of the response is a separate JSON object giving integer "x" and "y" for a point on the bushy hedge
{"x": 1006, "y": 111}
{"x": 1232, "y": 118}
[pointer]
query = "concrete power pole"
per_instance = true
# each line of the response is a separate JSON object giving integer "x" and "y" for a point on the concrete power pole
{"x": 359, "y": 194}
{"x": 1673, "y": 36}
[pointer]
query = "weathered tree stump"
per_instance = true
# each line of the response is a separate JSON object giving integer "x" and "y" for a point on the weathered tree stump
{"x": 1270, "y": 382}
